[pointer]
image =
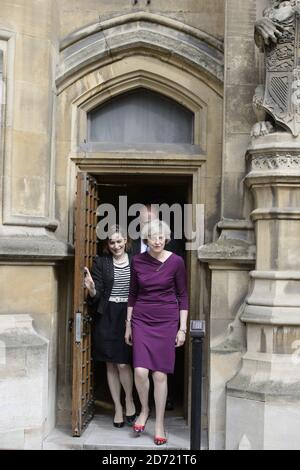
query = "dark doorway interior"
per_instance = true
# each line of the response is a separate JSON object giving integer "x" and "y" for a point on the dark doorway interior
{"x": 155, "y": 189}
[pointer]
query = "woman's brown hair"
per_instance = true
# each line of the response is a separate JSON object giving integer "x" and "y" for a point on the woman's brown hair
{"x": 112, "y": 230}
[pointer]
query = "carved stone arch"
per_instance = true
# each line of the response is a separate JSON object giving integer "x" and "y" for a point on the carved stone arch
{"x": 154, "y": 35}
{"x": 84, "y": 87}
{"x": 101, "y": 93}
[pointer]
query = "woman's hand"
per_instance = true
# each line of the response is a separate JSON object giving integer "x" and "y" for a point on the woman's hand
{"x": 128, "y": 334}
{"x": 180, "y": 339}
{"x": 89, "y": 283}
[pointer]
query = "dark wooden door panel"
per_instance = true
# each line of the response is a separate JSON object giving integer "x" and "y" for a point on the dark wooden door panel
{"x": 85, "y": 250}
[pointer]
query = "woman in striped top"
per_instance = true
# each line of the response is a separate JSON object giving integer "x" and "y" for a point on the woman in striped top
{"x": 108, "y": 287}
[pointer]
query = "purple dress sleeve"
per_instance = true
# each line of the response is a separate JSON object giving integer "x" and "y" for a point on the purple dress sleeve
{"x": 181, "y": 286}
{"x": 134, "y": 287}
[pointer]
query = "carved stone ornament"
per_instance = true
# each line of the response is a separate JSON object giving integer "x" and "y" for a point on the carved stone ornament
{"x": 278, "y": 35}
{"x": 276, "y": 162}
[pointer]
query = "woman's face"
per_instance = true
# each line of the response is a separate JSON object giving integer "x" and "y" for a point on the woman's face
{"x": 157, "y": 242}
{"x": 116, "y": 244}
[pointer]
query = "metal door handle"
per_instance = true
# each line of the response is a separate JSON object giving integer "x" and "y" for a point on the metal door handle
{"x": 78, "y": 328}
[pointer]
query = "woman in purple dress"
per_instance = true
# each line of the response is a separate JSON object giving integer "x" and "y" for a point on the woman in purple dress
{"x": 156, "y": 320}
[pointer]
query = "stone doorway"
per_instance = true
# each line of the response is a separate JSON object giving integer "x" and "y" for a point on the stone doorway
{"x": 140, "y": 189}
{"x": 157, "y": 188}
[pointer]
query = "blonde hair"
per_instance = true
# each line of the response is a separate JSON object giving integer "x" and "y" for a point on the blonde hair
{"x": 155, "y": 227}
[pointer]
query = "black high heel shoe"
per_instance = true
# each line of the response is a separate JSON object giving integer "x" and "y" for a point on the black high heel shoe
{"x": 130, "y": 419}
{"x": 119, "y": 425}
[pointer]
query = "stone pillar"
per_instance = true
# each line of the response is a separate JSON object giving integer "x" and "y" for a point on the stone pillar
{"x": 263, "y": 400}
{"x": 230, "y": 258}
{"x": 240, "y": 80}
{"x": 23, "y": 384}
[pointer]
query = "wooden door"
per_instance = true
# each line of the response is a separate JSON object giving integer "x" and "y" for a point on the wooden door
{"x": 85, "y": 250}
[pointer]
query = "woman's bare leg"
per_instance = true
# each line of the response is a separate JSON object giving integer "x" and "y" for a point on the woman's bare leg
{"x": 141, "y": 377}
{"x": 114, "y": 384}
{"x": 126, "y": 379}
{"x": 160, "y": 396}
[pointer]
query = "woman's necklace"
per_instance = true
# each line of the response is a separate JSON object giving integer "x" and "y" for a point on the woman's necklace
{"x": 162, "y": 263}
{"x": 156, "y": 257}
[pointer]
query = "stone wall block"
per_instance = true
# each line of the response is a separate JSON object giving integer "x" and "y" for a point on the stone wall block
{"x": 23, "y": 383}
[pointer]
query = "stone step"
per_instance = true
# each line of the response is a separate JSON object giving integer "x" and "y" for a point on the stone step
{"x": 101, "y": 435}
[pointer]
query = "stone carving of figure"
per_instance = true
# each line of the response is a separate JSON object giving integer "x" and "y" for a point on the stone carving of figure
{"x": 277, "y": 34}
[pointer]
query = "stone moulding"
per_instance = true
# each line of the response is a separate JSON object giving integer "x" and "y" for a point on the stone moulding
{"x": 151, "y": 17}
{"x": 271, "y": 275}
{"x": 243, "y": 386}
{"x": 227, "y": 250}
{"x": 21, "y": 248}
{"x": 235, "y": 244}
{"x": 152, "y": 33}
{"x": 275, "y": 162}
{"x": 273, "y": 168}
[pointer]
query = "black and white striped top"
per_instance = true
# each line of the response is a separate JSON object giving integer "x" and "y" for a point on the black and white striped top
{"x": 121, "y": 281}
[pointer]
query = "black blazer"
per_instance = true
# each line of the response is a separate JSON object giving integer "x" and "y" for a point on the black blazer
{"x": 102, "y": 273}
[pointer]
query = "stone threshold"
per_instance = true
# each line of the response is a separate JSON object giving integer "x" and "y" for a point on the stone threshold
{"x": 101, "y": 435}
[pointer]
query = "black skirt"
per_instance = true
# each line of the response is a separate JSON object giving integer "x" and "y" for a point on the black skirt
{"x": 108, "y": 335}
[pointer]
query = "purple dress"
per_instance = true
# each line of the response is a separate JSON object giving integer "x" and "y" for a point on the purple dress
{"x": 158, "y": 291}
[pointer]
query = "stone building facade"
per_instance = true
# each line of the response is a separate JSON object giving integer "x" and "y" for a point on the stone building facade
{"x": 59, "y": 61}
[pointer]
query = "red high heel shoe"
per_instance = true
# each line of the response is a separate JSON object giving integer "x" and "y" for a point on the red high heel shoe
{"x": 159, "y": 441}
{"x": 138, "y": 429}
